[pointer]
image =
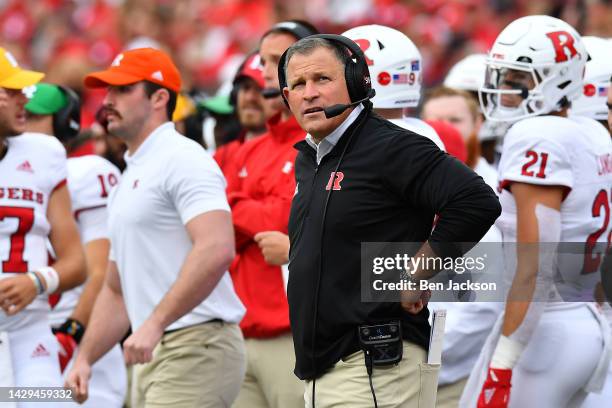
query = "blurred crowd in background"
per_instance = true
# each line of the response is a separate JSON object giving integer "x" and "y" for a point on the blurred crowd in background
{"x": 209, "y": 38}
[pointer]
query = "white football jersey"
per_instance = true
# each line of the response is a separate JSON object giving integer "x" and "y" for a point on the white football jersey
{"x": 575, "y": 153}
{"x": 487, "y": 172}
{"x": 90, "y": 180}
{"x": 420, "y": 127}
{"x": 33, "y": 167}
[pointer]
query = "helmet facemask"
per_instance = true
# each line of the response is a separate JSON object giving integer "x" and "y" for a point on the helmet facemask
{"x": 543, "y": 49}
{"x": 510, "y": 91}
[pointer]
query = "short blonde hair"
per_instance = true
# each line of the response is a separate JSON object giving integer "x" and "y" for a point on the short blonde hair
{"x": 444, "y": 91}
{"x": 472, "y": 144}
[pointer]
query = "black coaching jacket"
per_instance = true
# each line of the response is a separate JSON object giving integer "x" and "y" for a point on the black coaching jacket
{"x": 390, "y": 184}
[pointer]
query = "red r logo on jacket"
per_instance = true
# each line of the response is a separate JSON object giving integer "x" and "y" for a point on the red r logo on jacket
{"x": 334, "y": 182}
{"x": 562, "y": 40}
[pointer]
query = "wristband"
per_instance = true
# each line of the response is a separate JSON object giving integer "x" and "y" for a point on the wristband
{"x": 506, "y": 353}
{"x": 410, "y": 277}
{"x": 73, "y": 328}
{"x": 37, "y": 282}
{"x": 51, "y": 279}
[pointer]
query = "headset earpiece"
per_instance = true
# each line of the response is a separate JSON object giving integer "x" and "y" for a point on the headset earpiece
{"x": 67, "y": 121}
{"x": 282, "y": 79}
{"x": 356, "y": 72}
{"x": 233, "y": 96}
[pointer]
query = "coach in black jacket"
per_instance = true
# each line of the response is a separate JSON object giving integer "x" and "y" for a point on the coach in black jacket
{"x": 388, "y": 187}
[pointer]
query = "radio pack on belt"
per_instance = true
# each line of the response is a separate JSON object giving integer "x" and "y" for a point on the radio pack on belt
{"x": 381, "y": 343}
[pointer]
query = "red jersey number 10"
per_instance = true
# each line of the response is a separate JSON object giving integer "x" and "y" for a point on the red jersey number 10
{"x": 106, "y": 183}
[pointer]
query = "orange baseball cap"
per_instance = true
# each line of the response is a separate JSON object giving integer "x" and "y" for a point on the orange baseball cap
{"x": 140, "y": 64}
{"x": 14, "y": 77}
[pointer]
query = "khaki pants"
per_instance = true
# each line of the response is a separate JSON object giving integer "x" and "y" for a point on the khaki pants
{"x": 410, "y": 384}
{"x": 269, "y": 380}
{"x": 199, "y": 366}
{"x": 450, "y": 394}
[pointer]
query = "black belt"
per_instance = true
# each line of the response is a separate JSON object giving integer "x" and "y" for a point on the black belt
{"x": 197, "y": 324}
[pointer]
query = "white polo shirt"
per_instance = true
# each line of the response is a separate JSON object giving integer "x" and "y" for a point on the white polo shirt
{"x": 168, "y": 181}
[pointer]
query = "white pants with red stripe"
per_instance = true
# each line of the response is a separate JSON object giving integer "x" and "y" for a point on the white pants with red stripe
{"x": 565, "y": 357}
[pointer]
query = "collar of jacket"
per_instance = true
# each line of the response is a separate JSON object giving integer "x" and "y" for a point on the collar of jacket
{"x": 305, "y": 148}
{"x": 282, "y": 130}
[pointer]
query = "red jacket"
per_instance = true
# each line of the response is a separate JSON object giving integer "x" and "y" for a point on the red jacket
{"x": 225, "y": 155}
{"x": 260, "y": 193}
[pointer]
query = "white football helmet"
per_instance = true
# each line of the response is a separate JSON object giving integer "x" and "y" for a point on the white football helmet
{"x": 467, "y": 74}
{"x": 395, "y": 65}
{"x": 538, "y": 60}
{"x": 592, "y": 101}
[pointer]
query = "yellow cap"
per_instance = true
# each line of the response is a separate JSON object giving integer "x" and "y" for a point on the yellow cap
{"x": 184, "y": 108}
{"x": 14, "y": 77}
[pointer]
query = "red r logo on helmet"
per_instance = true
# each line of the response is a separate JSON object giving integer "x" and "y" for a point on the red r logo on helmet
{"x": 364, "y": 45}
{"x": 562, "y": 40}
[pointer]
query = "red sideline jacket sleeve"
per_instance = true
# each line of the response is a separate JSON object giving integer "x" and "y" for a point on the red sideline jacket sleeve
{"x": 271, "y": 214}
{"x": 228, "y": 158}
{"x": 261, "y": 198}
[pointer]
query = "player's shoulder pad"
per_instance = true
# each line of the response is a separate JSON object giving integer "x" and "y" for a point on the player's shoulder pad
{"x": 39, "y": 142}
{"x": 539, "y": 151}
{"x": 593, "y": 128}
{"x": 90, "y": 180}
{"x": 91, "y": 164}
{"x": 422, "y": 128}
{"x": 555, "y": 129}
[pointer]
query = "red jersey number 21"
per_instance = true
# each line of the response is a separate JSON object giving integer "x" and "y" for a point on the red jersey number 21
{"x": 600, "y": 208}
{"x": 25, "y": 217}
{"x": 533, "y": 159}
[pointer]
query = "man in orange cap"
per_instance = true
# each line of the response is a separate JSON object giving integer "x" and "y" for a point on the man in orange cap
{"x": 34, "y": 210}
{"x": 171, "y": 244}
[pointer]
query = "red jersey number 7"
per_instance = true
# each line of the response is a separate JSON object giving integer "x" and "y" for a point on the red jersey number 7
{"x": 25, "y": 216}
